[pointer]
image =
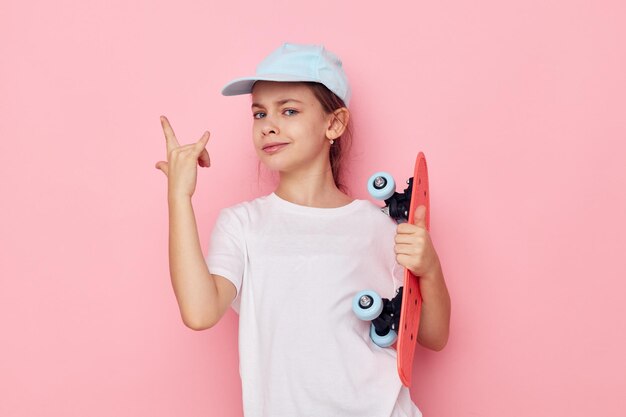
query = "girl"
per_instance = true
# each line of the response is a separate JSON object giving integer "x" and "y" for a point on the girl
{"x": 290, "y": 262}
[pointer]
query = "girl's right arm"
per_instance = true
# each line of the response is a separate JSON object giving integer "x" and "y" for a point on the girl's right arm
{"x": 202, "y": 297}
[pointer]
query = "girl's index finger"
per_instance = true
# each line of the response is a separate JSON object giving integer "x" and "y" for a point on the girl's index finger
{"x": 170, "y": 137}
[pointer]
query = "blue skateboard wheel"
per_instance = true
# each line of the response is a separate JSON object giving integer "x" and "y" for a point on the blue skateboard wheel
{"x": 383, "y": 341}
{"x": 381, "y": 185}
{"x": 367, "y": 305}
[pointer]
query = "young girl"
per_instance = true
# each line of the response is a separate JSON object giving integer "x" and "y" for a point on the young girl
{"x": 290, "y": 262}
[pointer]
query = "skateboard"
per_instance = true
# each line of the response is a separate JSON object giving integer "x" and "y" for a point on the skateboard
{"x": 397, "y": 320}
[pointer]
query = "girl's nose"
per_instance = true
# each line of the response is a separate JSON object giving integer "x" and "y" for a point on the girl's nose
{"x": 269, "y": 127}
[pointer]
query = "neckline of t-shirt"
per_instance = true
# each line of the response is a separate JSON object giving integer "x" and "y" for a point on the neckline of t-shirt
{"x": 353, "y": 205}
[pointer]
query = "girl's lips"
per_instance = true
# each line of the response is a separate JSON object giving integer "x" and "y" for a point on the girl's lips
{"x": 273, "y": 147}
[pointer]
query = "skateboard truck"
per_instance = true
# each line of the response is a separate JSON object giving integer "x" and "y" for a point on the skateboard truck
{"x": 383, "y": 187}
{"x": 382, "y": 312}
{"x": 389, "y": 318}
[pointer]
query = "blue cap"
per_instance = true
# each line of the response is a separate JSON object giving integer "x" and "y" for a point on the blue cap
{"x": 296, "y": 62}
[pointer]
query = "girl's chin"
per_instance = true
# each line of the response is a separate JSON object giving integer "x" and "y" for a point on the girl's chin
{"x": 285, "y": 162}
{"x": 278, "y": 164}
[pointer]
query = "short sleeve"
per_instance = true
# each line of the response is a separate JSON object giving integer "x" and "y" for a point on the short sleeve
{"x": 226, "y": 254}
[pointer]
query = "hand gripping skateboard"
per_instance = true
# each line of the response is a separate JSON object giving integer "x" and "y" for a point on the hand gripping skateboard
{"x": 398, "y": 318}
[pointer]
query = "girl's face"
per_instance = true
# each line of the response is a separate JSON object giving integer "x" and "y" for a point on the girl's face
{"x": 289, "y": 128}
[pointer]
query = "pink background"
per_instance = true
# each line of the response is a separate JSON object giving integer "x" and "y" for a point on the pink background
{"x": 518, "y": 105}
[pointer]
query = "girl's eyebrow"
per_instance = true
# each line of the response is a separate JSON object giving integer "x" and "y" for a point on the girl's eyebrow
{"x": 278, "y": 102}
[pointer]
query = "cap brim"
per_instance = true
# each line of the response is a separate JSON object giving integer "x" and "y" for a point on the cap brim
{"x": 244, "y": 85}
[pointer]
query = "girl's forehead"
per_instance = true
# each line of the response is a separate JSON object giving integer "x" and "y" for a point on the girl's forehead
{"x": 270, "y": 91}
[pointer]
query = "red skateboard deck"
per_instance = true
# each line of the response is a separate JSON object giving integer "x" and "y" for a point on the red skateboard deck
{"x": 411, "y": 296}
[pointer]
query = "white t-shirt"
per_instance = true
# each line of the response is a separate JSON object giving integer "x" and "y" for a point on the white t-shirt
{"x": 302, "y": 350}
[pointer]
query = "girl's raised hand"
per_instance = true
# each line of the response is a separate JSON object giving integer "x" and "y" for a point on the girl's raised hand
{"x": 180, "y": 168}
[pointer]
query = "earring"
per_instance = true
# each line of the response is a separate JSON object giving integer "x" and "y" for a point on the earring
{"x": 332, "y": 141}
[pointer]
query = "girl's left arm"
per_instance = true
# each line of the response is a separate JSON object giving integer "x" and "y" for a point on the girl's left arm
{"x": 435, "y": 317}
{"x": 415, "y": 251}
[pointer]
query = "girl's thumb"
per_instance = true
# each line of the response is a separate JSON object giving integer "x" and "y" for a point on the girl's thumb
{"x": 162, "y": 165}
{"x": 420, "y": 216}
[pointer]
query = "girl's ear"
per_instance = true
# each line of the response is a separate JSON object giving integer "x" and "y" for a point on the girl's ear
{"x": 338, "y": 123}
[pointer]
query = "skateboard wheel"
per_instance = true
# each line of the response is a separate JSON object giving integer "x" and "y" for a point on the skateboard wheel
{"x": 381, "y": 185}
{"x": 367, "y": 305}
{"x": 383, "y": 341}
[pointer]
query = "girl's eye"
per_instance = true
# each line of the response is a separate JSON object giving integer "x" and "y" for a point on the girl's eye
{"x": 290, "y": 112}
{"x": 258, "y": 115}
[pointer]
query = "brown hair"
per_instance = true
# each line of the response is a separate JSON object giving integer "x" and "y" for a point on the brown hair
{"x": 339, "y": 150}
